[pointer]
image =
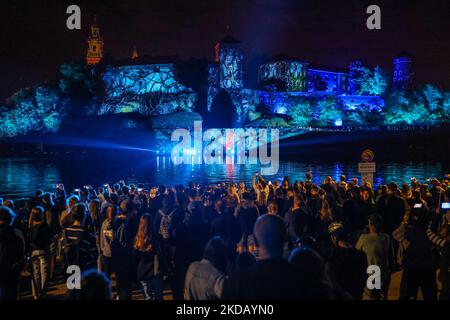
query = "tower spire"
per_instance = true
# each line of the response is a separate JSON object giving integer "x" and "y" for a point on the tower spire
{"x": 134, "y": 54}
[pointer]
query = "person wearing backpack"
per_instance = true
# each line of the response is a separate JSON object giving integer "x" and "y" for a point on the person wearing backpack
{"x": 79, "y": 244}
{"x": 121, "y": 251}
{"x": 166, "y": 219}
{"x": 40, "y": 237}
{"x": 147, "y": 253}
{"x": 415, "y": 256}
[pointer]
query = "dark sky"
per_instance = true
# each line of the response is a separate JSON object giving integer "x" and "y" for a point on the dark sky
{"x": 34, "y": 39}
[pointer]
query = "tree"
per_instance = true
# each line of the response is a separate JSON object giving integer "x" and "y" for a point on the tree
{"x": 40, "y": 109}
{"x": 359, "y": 73}
{"x": 375, "y": 83}
{"x": 363, "y": 116}
{"x": 365, "y": 81}
{"x": 301, "y": 112}
{"x": 446, "y": 107}
{"x": 77, "y": 79}
{"x": 433, "y": 97}
{"x": 328, "y": 111}
{"x": 407, "y": 111}
{"x": 223, "y": 112}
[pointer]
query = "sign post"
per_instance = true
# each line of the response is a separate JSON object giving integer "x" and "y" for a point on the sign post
{"x": 367, "y": 167}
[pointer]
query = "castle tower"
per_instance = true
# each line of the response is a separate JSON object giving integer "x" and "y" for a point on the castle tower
{"x": 95, "y": 45}
{"x": 229, "y": 56}
{"x": 403, "y": 73}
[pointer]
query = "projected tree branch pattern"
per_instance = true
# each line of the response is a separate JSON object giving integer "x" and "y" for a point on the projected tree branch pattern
{"x": 148, "y": 89}
{"x": 292, "y": 75}
{"x": 230, "y": 68}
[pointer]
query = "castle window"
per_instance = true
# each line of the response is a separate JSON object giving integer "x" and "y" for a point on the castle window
{"x": 94, "y": 48}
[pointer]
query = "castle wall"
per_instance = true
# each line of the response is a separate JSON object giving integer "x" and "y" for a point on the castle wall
{"x": 402, "y": 75}
{"x": 323, "y": 80}
{"x": 290, "y": 75}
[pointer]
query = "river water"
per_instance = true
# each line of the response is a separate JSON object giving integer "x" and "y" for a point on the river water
{"x": 21, "y": 177}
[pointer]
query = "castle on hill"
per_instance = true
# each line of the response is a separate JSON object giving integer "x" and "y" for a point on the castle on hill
{"x": 152, "y": 86}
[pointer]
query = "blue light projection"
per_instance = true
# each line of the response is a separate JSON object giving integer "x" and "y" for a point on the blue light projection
{"x": 291, "y": 74}
{"x": 402, "y": 72}
{"x": 148, "y": 89}
{"x": 230, "y": 67}
{"x": 307, "y": 96}
{"x": 330, "y": 81}
{"x": 141, "y": 79}
{"x": 213, "y": 83}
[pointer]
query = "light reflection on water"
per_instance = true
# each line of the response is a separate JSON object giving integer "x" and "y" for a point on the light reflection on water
{"x": 20, "y": 177}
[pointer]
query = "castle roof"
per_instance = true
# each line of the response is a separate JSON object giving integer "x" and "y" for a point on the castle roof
{"x": 320, "y": 67}
{"x": 404, "y": 54}
{"x": 229, "y": 39}
{"x": 311, "y": 66}
{"x": 284, "y": 57}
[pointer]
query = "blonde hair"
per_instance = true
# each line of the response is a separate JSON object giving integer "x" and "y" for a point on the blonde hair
{"x": 143, "y": 237}
{"x": 94, "y": 209}
{"x": 325, "y": 211}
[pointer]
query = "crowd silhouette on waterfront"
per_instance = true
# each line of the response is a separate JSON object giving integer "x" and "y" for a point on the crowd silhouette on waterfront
{"x": 244, "y": 240}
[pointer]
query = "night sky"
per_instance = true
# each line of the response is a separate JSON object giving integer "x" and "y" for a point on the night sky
{"x": 34, "y": 39}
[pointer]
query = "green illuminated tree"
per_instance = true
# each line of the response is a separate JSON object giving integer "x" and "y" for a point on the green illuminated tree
{"x": 328, "y": 111}
{"x": 375, "y": 83}
{"x": 433, "y": 97}
{"x": 301, "y": 112}
{"x": 359, "y": 73}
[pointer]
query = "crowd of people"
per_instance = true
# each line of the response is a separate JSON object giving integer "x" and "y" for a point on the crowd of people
{"x": 281, "y": 240}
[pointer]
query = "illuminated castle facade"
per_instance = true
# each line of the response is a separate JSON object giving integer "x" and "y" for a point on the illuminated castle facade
{"x": 153, "y": 86}
{"x": 403, "y": 74}
{"x": 282, "y": 82}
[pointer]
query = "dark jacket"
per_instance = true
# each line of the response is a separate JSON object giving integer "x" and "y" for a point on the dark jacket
{"x": 122, "y": 244}
{"x": 393, "y": 213}
{"x": 40, "y": 236}
{"x": 149, "y": 263}
{"x": 11, "y": 254}
{"x": 415, "y": 247}
{"x": 267, "y": 279}
{"x": 79, "y": 247}
{"x": 246, "y": 214}
{"x": 299, "y": 222}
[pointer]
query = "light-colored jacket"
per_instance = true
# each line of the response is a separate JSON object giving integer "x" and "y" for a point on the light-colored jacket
{"x": 105, "y": 238}
{"x": 203, "y": 281}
